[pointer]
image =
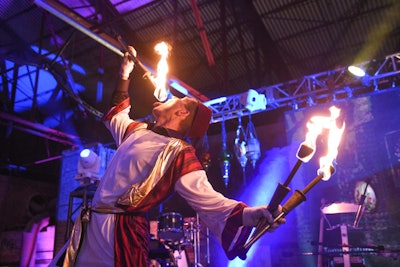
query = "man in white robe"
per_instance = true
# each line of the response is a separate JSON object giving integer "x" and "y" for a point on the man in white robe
{"x": 151, "y": 163}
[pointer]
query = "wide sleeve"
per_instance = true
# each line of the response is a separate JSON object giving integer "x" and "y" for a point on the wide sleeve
{"x": 223, "y": 216}
{"x": 118, "y": 122}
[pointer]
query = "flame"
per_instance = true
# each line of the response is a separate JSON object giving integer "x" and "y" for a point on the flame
{"x": 310, "y": 141}
{"x": 334, "y": 137}
{"x": 160, "y": 81}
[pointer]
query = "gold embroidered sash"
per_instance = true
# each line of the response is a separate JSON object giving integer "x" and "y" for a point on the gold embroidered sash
{"x": 133, "y": 196}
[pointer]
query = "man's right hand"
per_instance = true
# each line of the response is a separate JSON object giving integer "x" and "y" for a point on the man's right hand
{"x": 253, "y": 215}
{"x": 127, "y": 64}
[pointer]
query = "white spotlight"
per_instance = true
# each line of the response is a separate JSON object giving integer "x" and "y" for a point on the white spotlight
{"x": 88, "y": 167}
{"x": 357, "y": 71}
{"x": 253, "y": 101}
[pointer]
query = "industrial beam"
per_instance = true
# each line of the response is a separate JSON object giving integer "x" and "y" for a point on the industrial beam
{"x": 323, "y": 87}
{"x": 39, "y": 130}
{"x": 79, "y": 23}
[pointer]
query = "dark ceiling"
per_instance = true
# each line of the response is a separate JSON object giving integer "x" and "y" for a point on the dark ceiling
{"x": 57, "y": 80}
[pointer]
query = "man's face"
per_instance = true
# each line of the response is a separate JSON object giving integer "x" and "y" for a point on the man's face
{"x": 165, "y": 111}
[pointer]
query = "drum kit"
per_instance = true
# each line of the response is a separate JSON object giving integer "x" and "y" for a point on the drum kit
{"x": 176, "y": 241}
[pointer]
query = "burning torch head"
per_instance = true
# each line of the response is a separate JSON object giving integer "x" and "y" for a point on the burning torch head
{"x": 305, "y": 152}
{"x": 334, "y": 137}
{"x": 163, "y": 95}
{"x": 161, "y": 91}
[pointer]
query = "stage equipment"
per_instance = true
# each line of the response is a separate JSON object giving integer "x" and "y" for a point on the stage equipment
{"x": 253, "y": 152}
{"x": 160, "y": 254}
{"x": 337, "y": 208}
{"x": 225, "y": 157}
{"x": 253, "y": 101}
{"x": 323, "y": 87}
{"x": 357, "y": 71}
{"x": 84, "y": 192}
{"x": 366, "y": 69}
{"x": 176, "y": 241}
{"x": 240, "y": 148}
{"x": 88, "y": 167}
{"x": 340, "y": 208}
{"x": 366, "y": 200}
{"x": 170, "y": 226}
{"x": 325, "y": 171}
{"x": 194, "y": 233}
{"x": 92, "y": 162}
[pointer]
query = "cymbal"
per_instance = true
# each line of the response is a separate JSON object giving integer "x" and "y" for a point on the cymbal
{"x": 340, "y": 207}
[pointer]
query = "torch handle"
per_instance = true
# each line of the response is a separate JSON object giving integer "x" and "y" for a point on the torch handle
{"x": 132, "y": 56}
{"x": 280, "y": 193}
{"x": 243, "y": 250}
{"x": 360, "y": 207}
{"x": 312, "y": 183}
{"x": 296, "y": 199}
{"x": 293, "y": 172}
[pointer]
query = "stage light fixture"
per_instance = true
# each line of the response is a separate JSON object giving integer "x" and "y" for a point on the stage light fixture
{"x": 365, "y": 70}
{"x": 253, "y": 101}
{"x": 88, "y": 167}
{"x": 357, "y": 71}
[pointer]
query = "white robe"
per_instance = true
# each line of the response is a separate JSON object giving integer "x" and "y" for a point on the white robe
{"x": 132, "y": 163}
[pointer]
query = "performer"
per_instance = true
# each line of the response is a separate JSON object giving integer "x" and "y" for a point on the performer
{"x": 151, "y": 163}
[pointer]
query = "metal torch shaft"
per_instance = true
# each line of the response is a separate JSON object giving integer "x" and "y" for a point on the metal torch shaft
{"x": 295, "y": 200}
{"x": 360, "y": 207}
{"x": 243, "y": 251}
{"x": 280, "y": 193}
{"x": 133, "y": 57}
{"x": 293, "y": 172}
{"x": 262, "y": 232}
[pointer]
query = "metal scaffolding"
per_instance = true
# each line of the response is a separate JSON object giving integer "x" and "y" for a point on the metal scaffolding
{"x": 323, "y": 87}
{"x": 312, "y": 89}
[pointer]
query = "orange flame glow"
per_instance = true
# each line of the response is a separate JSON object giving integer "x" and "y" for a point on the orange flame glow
{"x": 310, "y": 141}
{"x": 334, "y": 137}
{"x": 160, "y": 80}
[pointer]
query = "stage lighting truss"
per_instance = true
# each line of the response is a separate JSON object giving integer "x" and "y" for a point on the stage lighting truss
{"x": 323, "y": 87}
{"x": 311, "y": 89}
